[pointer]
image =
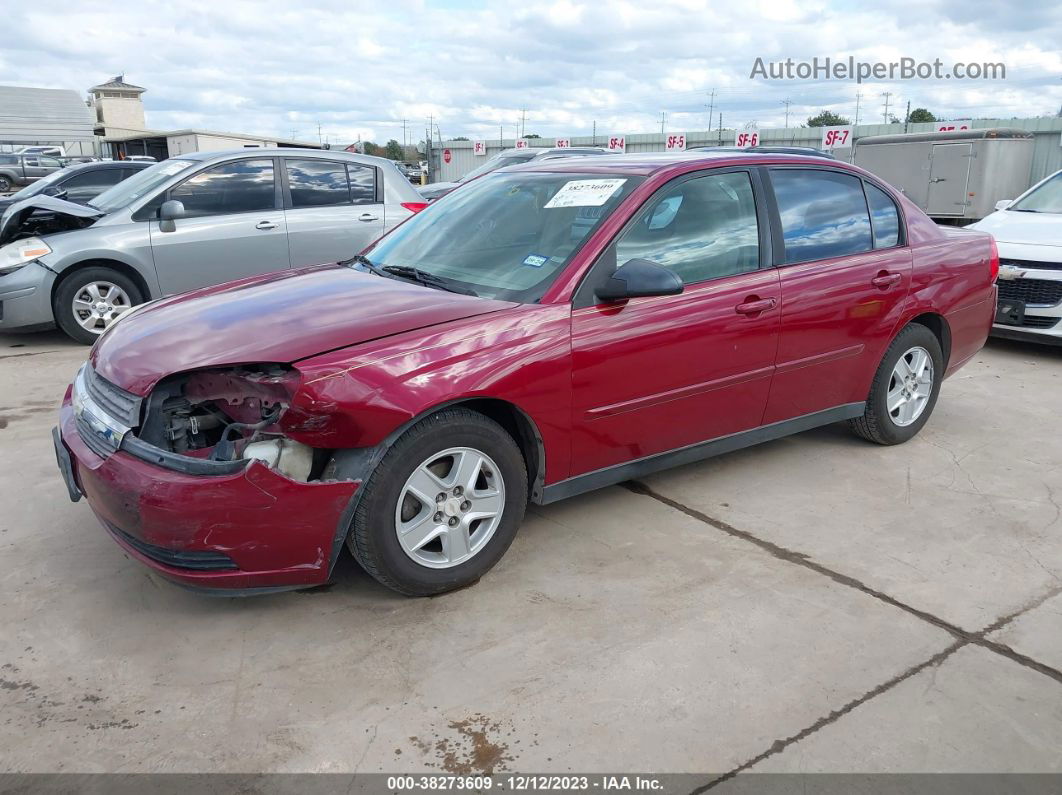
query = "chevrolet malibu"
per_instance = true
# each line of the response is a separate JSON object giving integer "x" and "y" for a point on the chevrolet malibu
{"x": 544, "y": 331}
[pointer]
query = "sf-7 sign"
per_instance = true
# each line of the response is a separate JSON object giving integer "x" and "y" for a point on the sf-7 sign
{"x": 836, "y": 137}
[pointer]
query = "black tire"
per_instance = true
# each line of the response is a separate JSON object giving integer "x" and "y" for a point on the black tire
{"x": 71, "y": 285}
{"x": 877, "y": 424}
{"x": 373, "y": 539}
{"x": 5, "y": 184}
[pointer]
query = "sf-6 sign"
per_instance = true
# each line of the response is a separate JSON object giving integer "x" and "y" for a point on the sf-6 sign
{"x": 675, "y": 143}
{"x": 836, "y": 137}
{"x": 747, "y": 138}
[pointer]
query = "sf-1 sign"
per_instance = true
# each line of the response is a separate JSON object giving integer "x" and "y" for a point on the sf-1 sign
{"x": 836, "y": 137}
{"x": 563, "y": 143}
{"x": 675, "y": 143}
{"x": 522, "y": 143}
{"x": 747, "y": 138}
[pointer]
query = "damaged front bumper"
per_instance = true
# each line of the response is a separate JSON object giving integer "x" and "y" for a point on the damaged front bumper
{"x": 246, "y": 530}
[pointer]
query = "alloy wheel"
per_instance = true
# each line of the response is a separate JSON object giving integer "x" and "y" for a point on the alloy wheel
{"x": 910, "y": 386}
{"x": 98, "y": 304}
{"x": 450, "y": 507}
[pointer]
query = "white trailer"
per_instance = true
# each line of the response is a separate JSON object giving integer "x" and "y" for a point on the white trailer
{"x": 955, "y": 177}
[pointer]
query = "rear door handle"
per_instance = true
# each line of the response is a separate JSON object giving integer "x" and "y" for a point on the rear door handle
{"x": 753, "y": 306}
{"x": 265, "y": 225}
{"x": 884, "y": 281}
{"x": 368, "y": 217}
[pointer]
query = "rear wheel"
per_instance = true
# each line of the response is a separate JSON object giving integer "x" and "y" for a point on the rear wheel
{"x": 905, "y": 388}
{"x": 443, "y": 505}
{"x": 5, "y": 184}
{"x": 89, "y": 300}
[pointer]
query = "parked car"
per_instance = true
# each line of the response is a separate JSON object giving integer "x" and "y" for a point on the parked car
{"x": 188, "y": 222}
{"x": 17, "y": 170}
{"x": 767, "y": 150}
{"x": 1028, "y": 231}
{"x": 511, "y": 157}
{"x": 544, "y": 331}
{"x": 76, "y": 183}
{"x": 53, "y": 151}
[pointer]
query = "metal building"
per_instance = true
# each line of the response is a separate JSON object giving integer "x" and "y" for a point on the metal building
{"x": 45, "y": 116}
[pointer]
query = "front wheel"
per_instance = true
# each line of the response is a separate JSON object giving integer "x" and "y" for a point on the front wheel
{"x": 5, "y": 184}
{"x": 443, "y": 505}
{"x": 905, "y": 388}
{"x": 89, "y": 300}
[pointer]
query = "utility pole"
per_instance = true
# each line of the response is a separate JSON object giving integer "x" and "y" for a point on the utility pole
{"x": 403, "y": 137}
{"x": 319, "y": 139}
{"x": 859, "y": 96}
{"x": 595, "y": 133}
{"x": 907, "y": 116}
{"x": 720, "y": 129}
{"x": 787, "y": 103}
{"x": 501, "y": 135}
{"x": 663, "y": 121}
{"x": 885, "y": 115}
{"x": 523, "y": 122}
{"x": 711, "y": 107}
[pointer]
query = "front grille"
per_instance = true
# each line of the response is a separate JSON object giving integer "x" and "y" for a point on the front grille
{"x": 199, "y": 560}
{"x": 1029, "y": 264}
{"x": 1031, "y": 291}
{"x": 1030, "y": 321}
{"x": 119, "y": 404}
{"x": 98, "y": 444}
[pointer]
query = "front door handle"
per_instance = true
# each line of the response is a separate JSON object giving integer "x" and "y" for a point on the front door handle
{"x": 754, "y": 305}
{"x": 265, "y": 225}
{"x": 885, "y": 280}
{"x": 368, "y": 217}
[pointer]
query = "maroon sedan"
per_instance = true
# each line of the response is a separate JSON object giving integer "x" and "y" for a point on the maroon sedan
{"x": 542, "y": 332}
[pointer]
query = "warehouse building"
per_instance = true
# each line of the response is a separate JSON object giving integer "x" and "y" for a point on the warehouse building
{"x": 45, "y": 117}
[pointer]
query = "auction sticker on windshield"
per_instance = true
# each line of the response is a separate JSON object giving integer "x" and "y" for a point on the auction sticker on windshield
{"x": 585, "y": 193}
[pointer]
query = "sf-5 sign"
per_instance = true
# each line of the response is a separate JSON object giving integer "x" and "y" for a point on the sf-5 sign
{"x": 676, "y": 143}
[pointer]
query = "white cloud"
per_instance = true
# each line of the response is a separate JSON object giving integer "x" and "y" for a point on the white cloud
{"x": 361, "y": 68}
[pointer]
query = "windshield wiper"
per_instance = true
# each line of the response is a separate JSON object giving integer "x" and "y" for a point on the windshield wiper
{"x": 427, "y": 279}
{"x": 409, "y": 273}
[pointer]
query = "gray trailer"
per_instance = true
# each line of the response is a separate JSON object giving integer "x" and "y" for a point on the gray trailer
{"x": 956, "y": 177}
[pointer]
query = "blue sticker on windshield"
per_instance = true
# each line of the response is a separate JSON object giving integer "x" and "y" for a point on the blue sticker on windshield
{"x": 535, "y": 260}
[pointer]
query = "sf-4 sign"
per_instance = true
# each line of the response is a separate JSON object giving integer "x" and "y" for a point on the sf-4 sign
{"x": 836, "y": 137}
{"x": 617, "y": 143}
{"x": 747, "y": 138}
{"x": 675, "y": 143}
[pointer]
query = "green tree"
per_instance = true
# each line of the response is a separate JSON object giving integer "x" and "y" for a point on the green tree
{"x": 532, "y": 135}
{"x": 459, "y": 138}
{"x": 393, "y": 150}
{"x": 827, "y": 118}
{"x": 921, "y": 114}
{"x": 369, "y": 148}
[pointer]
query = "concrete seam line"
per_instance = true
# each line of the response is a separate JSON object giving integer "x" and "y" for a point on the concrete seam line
{"x": 22, "y": 355}
{"x": 780, "y": 745}
{"x": 798, "y": 559}
{"x": 803, "y": 560}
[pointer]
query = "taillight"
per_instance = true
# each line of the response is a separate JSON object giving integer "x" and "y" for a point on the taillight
{"x": 414, "y": 207}
{"x": 993, "y": 263}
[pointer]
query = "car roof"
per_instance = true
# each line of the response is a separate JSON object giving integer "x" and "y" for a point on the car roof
{"x": 647, "y": 163}
{"x": 273, "y": 151}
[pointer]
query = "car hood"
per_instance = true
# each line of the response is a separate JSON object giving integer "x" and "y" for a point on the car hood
{"x": 1012, "y": 226}
{"x": 278, "y": 317}
{"x": 68, "y": 215}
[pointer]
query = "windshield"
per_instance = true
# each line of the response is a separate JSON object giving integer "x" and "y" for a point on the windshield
{"x": 506, "y": 236}
{"x": 140, "y": 184}
{"x": 36, "y": 187}
{"x": 1045, "y": 199}
{"x": 496, "y": 162}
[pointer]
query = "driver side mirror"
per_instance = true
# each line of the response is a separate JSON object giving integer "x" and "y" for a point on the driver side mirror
{"x": 639, "y": 278}
{"x": 169, "y": 212}
{"x": 1003, "y": 204}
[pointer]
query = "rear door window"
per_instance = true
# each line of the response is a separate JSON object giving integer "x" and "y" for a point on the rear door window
{"x": 824, "y": 214}
{"x": 317, "y": 183}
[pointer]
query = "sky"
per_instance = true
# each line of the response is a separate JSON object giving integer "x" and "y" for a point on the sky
{"x": 347, "y": 71}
